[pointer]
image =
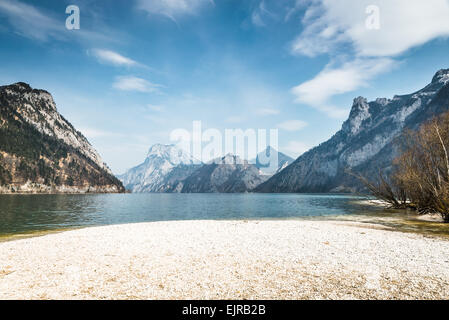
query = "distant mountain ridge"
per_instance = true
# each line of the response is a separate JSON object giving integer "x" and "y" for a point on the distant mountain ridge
{"x": 262, "y": 161}
{"x": 229, "y": 174}
{"x": 163, "y": 169}
{"x": 40, "y": 151}
{"x": 365, "y": 144}
{"x": 168, "y": 169}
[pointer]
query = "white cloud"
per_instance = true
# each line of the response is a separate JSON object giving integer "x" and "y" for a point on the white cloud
{"x": 171, "y": 8}
{"x": 333, "y": 81}
{"x": 31, "y": 22}
{"x": 267, "y": 112}
{"x": 235, "y": 119}
{"x": 295, "y": 148}
{"x": 259, "y": 15}
{"x": 330, "y": 29}
{"x": 130, "y": 83}
{"x": 92, "y": 133}
{"x": 292, "y": 125}
{"x": 111, "y": 57}
{"x": 404, "y": 24}
{"x": 155, "y": 108}
{"x": 256, "y": 19}
{"x": 156, "y": 119}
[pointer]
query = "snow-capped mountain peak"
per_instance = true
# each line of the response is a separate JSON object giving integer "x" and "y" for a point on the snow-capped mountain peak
{"x": 171, "y": 154}
{"x": 360, "y": 112}
{"x": 62, "y": 158}
{"x": 442, "y": 76}
{"x": 156, "y": 173}
{"x": 264, "y": 160}
{"x": 367, "y": 143}
{"x": 38, "y": 108}
{"x": 231, "y": 159}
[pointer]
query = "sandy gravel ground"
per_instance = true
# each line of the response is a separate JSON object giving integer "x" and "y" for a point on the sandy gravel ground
{"x": 226, "y": 260}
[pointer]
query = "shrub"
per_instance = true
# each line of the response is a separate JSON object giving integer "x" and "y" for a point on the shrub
{"x": 420, "y": 175}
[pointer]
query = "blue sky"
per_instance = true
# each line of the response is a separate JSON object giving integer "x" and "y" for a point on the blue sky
{"x": 138, "y": 69}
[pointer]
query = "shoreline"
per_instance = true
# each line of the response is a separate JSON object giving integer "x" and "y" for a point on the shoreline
{"x": 25, "y": 193}
{"x": 428, "y": 217}
{"x": 249, "y": 259}
{"x": 427, "y": 220}
{"x": 37, "y": 233}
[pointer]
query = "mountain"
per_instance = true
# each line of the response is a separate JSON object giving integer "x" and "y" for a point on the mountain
{"x": 263, "y": 161}
{"x": 40, "y": 151}
{"x": 168, "y": 169}
{"x": 366, "y": 143}
{"x": 228, "y": 174}
{"x": 162, "y": 171}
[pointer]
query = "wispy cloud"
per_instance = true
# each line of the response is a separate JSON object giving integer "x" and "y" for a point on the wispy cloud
{"x": 155, "y": 108}
{"x": 260, "y": 14}
{"x": 31, "y": 22}
{"x": 333, "y": 81}
{"x": 235, "y": 119}
{"x": 131, "y": 83}
{"x": 267, "y": 111}
{"x": 403, "y": 24}
{"x": 172, "y": 8}
{"x": 295, "y": 148}
{"x": 292, "y": 125}
{"x": 92, "y": 133}
{"x": 114, "y": 58}
{"x": 37, "y": 24}
{"x": 158, "y": 114}
{"x": 156, "y": 119}
{"x": 367, "y": 53}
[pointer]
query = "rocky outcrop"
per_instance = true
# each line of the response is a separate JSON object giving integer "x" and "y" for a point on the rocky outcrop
{"x": 168, "y": 169}
{"x": 163, "y": 170}
{"x": 41, "y": 152}
{"x": 229, "y": 174}
{"x": 265, "y": 158}
{"x": 366, "y": 143}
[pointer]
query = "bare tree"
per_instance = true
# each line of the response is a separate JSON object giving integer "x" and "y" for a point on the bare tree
{"x": 420, "y": 179}
{"x": 384, "y": 190}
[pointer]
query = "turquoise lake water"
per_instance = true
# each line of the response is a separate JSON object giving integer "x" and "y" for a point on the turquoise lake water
{"x": 22, "y": 214}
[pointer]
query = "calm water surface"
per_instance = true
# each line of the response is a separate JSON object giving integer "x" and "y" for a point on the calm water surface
{"x": 22, "y": 214}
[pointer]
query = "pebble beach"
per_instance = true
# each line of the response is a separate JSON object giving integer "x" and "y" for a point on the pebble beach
{"x": 227, "y": 260}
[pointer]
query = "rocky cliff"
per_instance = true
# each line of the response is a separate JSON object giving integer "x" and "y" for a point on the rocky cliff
{"x": 229, "y": 174}
{"x": 366, "y": 143}
{"x": 42, "y": 152}
{"x": 163, "y": 170}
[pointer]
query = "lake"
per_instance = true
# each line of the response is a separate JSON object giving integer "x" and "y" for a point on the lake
{"x": 25, "y": 214}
